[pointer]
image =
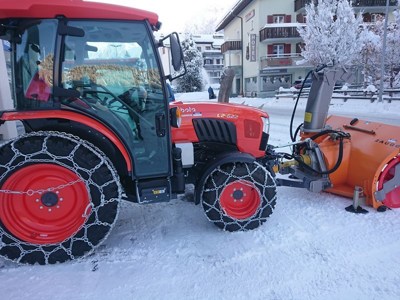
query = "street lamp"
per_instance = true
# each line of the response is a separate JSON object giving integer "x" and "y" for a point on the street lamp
{"x": 383, "y": 51}
{"x": 115, "y": 46}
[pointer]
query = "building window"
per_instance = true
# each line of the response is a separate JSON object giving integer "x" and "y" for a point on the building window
{"x": 218, "y": 61}
{"x": 199, "y": 48}
{"x": 278, "y": 19}
{"x": 278, "y": 49}
{"x": 208, "y": 47}
{"x": 376, "y": 17}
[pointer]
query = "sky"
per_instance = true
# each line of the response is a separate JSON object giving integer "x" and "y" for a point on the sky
{"x": 175, "y": 14}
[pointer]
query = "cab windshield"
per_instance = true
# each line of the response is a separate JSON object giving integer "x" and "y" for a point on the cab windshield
{"x": 108, "y": 69}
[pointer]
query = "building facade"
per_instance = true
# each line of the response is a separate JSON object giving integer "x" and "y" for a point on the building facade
{"x": 213, "y": 60}
{"x": 263, "y": 46}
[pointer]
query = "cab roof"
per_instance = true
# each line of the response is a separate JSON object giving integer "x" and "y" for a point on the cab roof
{"x": 74, "y": 9}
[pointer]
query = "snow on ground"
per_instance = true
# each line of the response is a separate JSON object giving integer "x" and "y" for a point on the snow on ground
{"x": 310, "y": 248}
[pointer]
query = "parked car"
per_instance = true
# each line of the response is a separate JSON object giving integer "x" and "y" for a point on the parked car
{"x": 298, "y": 83}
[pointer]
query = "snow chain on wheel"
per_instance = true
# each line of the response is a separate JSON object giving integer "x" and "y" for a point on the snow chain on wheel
{"x": 59, "y": 198}
{"x": 239, "y": 196}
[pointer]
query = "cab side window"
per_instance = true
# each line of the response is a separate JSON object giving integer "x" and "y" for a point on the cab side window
{"x": 34, "y": 66}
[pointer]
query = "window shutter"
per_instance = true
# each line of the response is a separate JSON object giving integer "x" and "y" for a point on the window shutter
{"x": 288, "y": 19}
{"x": 270, "y": 49}
{"x": 270, "y": 19}
{"x": 287, "y": 48}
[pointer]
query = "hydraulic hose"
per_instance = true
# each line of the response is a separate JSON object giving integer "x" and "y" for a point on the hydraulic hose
{"x": 334, "y": 168}
{"x": 293, "y": 136}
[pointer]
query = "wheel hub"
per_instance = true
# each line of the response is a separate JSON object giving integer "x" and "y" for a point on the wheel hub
{"x": 238, "y": 194}
{"x": 49, "y": 199}
{"x": 240, "y": 199}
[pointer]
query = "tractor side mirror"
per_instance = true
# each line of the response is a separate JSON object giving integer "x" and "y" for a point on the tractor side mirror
{"x": 176, "y": 51}
{"x": 177, "y": 62}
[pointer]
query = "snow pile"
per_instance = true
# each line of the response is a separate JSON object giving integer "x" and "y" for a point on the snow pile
{"x": 370, "y": 89}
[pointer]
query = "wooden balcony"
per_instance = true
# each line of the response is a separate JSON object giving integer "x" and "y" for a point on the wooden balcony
{"x": 273, "y": 61}
{"x": 372, "y": 3}
{"x": 278, "y": 33}
{"x": 213, "y": 67}
{"x": 300, "y": 4}
{"x": 231, "y": 46}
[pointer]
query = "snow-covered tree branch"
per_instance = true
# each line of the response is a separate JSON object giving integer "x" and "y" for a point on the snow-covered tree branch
{"x": 192, "y": 81}
{"x": 332, "y": 33}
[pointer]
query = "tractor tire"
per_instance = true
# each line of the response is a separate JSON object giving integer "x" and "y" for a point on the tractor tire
{"x": 59, "y": 198}
{"x": 239, "y": 196}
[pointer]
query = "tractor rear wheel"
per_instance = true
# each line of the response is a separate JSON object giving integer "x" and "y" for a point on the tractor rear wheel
{"x": 239, "y": 196}
{"x": 59, "y": 198}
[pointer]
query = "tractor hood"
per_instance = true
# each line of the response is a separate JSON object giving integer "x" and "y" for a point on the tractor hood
{"x": 226, "y": 123}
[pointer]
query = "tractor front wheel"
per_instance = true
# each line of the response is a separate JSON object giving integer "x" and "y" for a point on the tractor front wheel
{"x": 239, "y": 196}
{"x": 59, "y": 198}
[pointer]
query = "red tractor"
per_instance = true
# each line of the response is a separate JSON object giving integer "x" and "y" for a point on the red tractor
{"x": 90, "y": 91}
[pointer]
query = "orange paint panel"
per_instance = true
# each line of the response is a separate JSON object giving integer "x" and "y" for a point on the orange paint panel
{"x": 372, "y": 146}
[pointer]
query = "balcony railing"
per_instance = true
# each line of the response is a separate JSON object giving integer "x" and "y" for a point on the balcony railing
{"x": 231, "y": 45}
{"x": 300, "y": 4}
{"x": 284, "y": 60}
{"x": 278, "y": 33}
{"x": 212, "y": 54}
{"x": 368, "y": 3}
{"x": 213, "y": 67}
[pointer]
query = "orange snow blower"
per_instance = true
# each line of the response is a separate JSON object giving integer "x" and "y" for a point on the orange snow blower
{"x": 354, "y": 158}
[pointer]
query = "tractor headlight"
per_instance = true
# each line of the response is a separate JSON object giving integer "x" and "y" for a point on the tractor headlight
{"x": 176, "y": 117}
{"x": 265, "y": 124}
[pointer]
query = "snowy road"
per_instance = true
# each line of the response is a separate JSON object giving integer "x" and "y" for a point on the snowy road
{"x": 310, "y": 248}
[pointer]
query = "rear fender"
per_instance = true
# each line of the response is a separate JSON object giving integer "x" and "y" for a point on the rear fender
{"x": 75, "y": 117}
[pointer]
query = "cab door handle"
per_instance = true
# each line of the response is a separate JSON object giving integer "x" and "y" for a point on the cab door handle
{"x": 160, "y": 125}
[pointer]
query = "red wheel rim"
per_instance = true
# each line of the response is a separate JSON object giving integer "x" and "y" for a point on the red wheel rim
{"x": 240, "y": 199}
{"x": 392, "y": 198}
{"x": 46, "y": 218}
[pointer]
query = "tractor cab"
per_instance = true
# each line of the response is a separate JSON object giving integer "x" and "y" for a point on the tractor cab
{"x": 105, "y": 68}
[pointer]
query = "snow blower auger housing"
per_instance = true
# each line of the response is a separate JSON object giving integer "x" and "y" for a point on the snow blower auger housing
{"x": 89, "y": 88}
{"x": 345, "y": 156}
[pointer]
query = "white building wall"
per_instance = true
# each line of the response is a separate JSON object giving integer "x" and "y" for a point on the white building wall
{"x": 273, "y": 7}
{"x": 251, "y": 26}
